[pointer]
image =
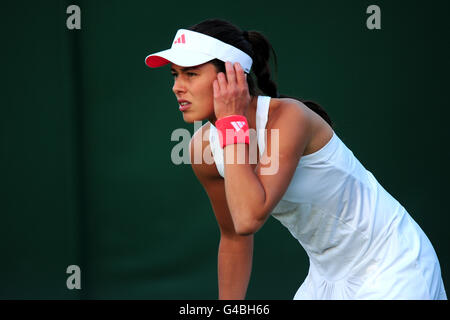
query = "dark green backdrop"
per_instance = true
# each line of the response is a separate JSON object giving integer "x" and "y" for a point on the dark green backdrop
{"x": 86, "y": 173}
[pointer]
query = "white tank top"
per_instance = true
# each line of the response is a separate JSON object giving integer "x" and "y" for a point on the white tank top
{"x": 344, "y": 219}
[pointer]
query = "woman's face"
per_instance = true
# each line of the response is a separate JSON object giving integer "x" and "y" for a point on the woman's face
{"x": 194, "y": 86}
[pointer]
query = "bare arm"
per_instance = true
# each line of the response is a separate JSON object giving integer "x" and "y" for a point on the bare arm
{"x": 235, "y": 251}
{"x": 251, "y": 195}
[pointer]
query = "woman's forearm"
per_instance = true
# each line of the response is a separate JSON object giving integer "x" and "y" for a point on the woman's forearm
{"x": 245, "y": 193}
{"x": 234, "y": 266}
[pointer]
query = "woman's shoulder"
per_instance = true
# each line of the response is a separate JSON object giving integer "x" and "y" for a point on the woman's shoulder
{"x": 201, "y": 157}
{"x": 287, "y": 110}
{"x": 199, "y": 141}
{"x": 277, "y": 104}
{"x": 201, "y": 136}
{"x": 292, "y": 114}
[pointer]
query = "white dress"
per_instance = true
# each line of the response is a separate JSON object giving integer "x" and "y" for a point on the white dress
{"x": 361, "y": 242}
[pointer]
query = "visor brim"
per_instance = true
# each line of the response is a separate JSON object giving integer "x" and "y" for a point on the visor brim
{"x": 184, "y": 58}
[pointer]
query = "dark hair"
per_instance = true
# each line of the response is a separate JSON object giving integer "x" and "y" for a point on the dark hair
{"x": 256, "y": 45}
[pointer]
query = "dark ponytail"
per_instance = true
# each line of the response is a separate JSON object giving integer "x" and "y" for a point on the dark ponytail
{"x": 257, "y": 46}
{"x": 261, "y": 67}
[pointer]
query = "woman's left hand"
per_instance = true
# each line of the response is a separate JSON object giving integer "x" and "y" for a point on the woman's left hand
{"x": 231, "y": 95}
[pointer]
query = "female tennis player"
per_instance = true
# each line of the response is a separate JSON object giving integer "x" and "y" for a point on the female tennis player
{"x": 361, "y": 242}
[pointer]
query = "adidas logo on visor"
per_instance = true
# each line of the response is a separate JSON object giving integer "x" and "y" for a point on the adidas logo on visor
{"x": 181, "y": 39}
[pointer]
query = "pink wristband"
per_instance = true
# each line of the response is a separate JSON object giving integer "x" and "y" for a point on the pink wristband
{"x": 233, "y": 129}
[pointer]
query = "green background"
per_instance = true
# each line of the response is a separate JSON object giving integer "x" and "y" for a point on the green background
{"x": 86, "y": 172}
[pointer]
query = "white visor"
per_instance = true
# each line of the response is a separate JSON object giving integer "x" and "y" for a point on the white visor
{"x": 191, "y": 48}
